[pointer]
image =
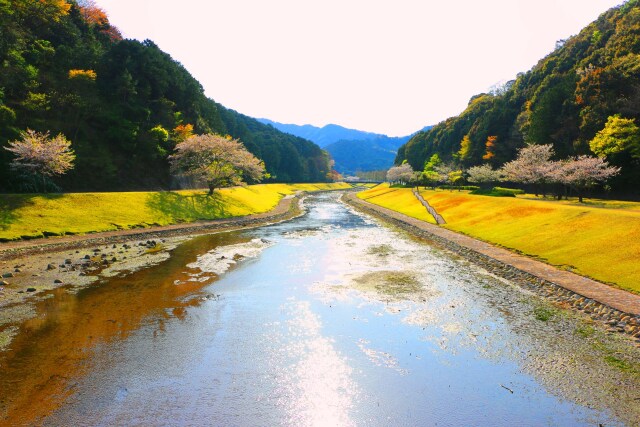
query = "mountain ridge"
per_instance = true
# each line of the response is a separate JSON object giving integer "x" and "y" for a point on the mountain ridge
{"x": 352, "y": 150}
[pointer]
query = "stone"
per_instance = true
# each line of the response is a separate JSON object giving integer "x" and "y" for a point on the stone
{"x": 17, "y": 270}
{"x": 68, "y": 261}
{"x": 7, "y": 275}
{"x": 87, "y": 257}
{"x": 57, "y": 281}
{"x": 51, "y": 267}
{"x": 31, "y": 289}
{"x": 114, "y": 259}
{"x": 4, "y": 283}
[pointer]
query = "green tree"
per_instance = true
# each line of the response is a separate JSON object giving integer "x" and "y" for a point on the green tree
{"x": 617, "y": 136}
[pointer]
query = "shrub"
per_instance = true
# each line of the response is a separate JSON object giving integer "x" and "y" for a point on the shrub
{"x": 493, "y": 192}
{"x": 512, "y": 190}
{"x": 460, "y": 187}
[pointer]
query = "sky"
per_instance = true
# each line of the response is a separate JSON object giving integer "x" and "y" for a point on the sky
{"x": 385, "y": 66}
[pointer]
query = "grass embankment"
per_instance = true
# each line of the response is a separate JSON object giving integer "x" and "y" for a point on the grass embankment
{"x": 599, "y": 239}
{"x": 397, "y": 199}
{"x": 30, "y": 216}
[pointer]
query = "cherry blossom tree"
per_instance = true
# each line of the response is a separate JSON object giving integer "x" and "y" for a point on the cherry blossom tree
{"x": 403, "y": 174}
{"x": 216, "y": 160}
{"x": 39, "y": 154}
{"x": 584, "y": 172}
{"x": 533, "y": 166}
{"x": 483, "y": 174}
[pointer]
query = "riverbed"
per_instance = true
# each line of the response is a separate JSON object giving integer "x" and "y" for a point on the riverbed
{"x": 328, "y": 319}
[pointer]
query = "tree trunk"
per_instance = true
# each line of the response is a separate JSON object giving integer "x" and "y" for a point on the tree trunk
{"x": 211, "y": 189}
{"x": 44, "y": 184}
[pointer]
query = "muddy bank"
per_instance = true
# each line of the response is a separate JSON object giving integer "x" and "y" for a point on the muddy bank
{"x": 30, "y": 271}
{"x": 613, "y": 320}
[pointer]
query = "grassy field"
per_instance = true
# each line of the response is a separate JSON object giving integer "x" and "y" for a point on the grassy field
{"x": 29, "y": 216}
{"x": 398, "y": 199}
{"x": 599, "y": 239}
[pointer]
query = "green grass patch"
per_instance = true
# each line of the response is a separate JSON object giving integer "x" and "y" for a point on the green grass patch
{"x": 34, "y": 215}
{"x": 543, "y": 314}
{"x": 585, "y": 331}
{"x": 493, "y": 192}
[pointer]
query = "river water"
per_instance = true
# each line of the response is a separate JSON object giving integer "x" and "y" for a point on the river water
{"x": 331, "y": 319}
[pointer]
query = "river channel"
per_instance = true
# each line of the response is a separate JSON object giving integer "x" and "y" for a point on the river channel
{"x": 330, "y": 319}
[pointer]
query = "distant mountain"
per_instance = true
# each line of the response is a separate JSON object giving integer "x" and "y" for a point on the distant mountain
{"x": 352, "y": 156}
{"x": 322, "y": 136}
{"x": 353, "y": 150}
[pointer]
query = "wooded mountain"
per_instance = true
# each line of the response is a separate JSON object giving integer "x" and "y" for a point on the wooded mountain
{"x": 353, "y": 150}
{"x": 564, "y": 100}
{"x": 123, "y": 104}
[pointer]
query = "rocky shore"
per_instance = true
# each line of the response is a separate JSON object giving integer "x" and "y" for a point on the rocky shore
{"x": 30, "y": 270}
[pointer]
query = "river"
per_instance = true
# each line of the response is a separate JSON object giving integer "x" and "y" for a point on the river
{"x": 330, "y": 319}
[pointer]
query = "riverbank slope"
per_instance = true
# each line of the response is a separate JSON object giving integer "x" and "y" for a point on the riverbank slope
{"x": 598, "y": 239}
{"x": 28, "y": 216}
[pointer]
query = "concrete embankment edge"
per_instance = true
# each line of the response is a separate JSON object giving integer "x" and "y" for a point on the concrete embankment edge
{"x": 618, "y": 310}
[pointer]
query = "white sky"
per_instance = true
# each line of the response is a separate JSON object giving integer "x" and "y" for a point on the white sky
{"x": 386, "y": 66}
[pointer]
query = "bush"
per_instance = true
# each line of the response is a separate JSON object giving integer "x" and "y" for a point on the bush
{"x": 493, "y": 192}
{"x": 512, "y": 190}
{"x": 459, "y": 187}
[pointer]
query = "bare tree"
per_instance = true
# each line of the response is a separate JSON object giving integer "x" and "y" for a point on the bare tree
{"x": 38, "y": 154}
{"x": 216, "y": 160}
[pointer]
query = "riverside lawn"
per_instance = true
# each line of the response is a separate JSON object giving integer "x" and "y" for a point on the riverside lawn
{"x": 599, "y": 239}
{"x": 39, "y": 215}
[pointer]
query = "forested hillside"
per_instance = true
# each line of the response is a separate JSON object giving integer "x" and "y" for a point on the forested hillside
{"x": 589, "y": 85}
{"x": 122, "y": 103}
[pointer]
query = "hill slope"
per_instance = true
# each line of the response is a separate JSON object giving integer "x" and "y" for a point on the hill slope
{"x": 123, "y": 104}
{"x": 564, "y": 100}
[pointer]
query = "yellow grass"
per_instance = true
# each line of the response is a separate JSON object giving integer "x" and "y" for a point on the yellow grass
{"x": 398, "y": 199}
{"x": 29, "y": 216}
{"x": 599, "y": 239}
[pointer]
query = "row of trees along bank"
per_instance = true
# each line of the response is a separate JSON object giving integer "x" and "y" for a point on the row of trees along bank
{"x": 534, "y": 166}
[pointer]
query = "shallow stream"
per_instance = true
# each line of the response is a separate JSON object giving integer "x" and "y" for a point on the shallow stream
{"x": 328, "y": 319}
